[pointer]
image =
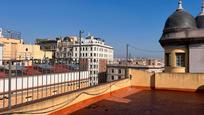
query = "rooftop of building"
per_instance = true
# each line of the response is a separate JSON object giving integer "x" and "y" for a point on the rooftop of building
{"x": 7, "y": 33}
{"x": 138, "y": 101}
{"x": 74, "y": 40}
{"x": 182, "y": 28}
{"x": 135, "y": 66}
{"x": 43, "y": 41}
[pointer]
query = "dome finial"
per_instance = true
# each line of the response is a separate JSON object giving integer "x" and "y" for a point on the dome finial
{"x": 180, "y": 7}
{"x": 202, "y": 9}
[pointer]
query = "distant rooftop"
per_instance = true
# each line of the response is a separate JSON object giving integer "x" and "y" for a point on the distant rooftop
{"x": 134, "y": 66}
{"x": 39, "y": 41}
{"x": 92, "y": 37}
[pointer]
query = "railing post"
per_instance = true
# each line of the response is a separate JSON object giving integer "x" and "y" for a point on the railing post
{"x": 126, "y": 63}
{"x": 9, "y": 87}
{"x": 80, "y": 35}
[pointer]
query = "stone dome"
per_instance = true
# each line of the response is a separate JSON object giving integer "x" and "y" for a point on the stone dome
{"x": 200, "y": 17}
{"x": 180, "y": 20}
{"x": 200, "y": 21}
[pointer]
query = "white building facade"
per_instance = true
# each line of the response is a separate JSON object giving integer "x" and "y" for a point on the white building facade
{"x": 95, "y": 55}
{"x": 1, "y": 54}
{"x": 115, "y": 73}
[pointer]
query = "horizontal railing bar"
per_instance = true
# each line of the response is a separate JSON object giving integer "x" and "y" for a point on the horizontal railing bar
{"x": 13, "y": 91}
{"x": 41, "y": 74}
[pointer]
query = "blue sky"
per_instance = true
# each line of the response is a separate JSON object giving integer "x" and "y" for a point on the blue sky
{"x": 137, "y": 22}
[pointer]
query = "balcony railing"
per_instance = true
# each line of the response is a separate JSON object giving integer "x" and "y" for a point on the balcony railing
{"x": 21, "y": 85}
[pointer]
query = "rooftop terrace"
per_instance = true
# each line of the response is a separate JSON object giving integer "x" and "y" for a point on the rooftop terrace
{"x": 144, "y": 94}
{"x": 137, "y": 101}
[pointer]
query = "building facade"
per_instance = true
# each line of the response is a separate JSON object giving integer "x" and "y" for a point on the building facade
{"x": 16, "y": 49}
{"x": 95, "y": 55}
{"x": 65, "y": 48}
{"x": 183, "y": 42}
{"x": 115, "y": 72}
{"x": 47, "y": 45}
{"x": 1, "y": 54}
{"x": 118, "y": 71}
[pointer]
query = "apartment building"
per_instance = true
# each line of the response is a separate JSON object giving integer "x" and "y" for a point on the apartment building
{"x": 115, "y": 72}
{"x": 64, "y": 51}
{"x": 95, "y": 55}
{"x": 1, "y": 54}
{"x": 15, "y": 49}
{"x": 47, "y": 45}
{"x": 118, "y": 71}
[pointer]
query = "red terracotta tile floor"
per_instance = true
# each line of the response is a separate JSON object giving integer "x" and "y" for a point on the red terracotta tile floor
{"x": 134, "y": 101}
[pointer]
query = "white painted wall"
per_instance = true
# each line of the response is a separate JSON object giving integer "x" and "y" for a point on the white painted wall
{"x": 196, "y": 58}
{"x": 40, "y": 80}
{"x": 1, "y": 53}
{"x": 115, "y": 73}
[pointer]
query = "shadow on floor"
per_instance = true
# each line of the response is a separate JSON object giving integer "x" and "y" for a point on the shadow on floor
{"x": 200, "y": 89}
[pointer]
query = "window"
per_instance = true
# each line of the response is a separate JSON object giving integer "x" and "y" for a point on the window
{"x": 112, "y": 70}
{"x": 167, "y": 59}
{"x": 180, "y": 59}
{"x": 112, "y": 77}
{"x": 119, "y": 71}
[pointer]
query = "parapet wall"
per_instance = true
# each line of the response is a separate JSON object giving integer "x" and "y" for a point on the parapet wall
{"x": 58, "y": 103}
{"x": 140, "y": 78}
{"x": 185, "y": 82}
{"x": 168, "y": 81}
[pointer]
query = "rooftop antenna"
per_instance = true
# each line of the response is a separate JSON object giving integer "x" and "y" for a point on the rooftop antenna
{"x": 202, "y": 8}
{"x": 89, "y": 34}
{"x": 180, "y": 7}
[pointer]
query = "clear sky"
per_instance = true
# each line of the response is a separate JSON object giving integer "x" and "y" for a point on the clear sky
{"x": 137, "y": 22}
